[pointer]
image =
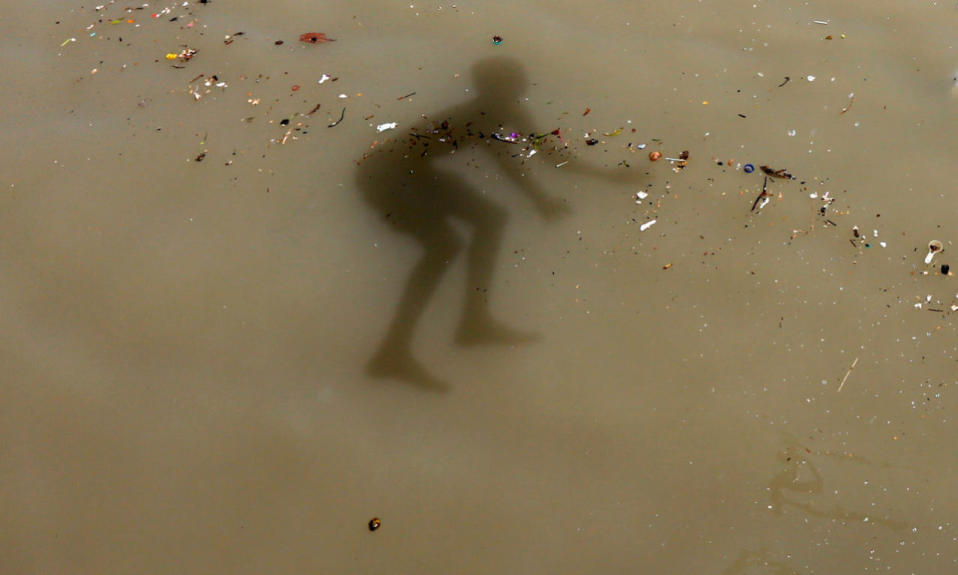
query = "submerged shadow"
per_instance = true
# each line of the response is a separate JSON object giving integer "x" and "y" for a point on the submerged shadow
{"x": 400, "y": 180}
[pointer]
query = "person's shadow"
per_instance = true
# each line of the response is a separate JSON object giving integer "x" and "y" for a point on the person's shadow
{"x": 400, "y": 181}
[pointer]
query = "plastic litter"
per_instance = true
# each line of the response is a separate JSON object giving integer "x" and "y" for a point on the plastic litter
{"x": 934, "y": 247}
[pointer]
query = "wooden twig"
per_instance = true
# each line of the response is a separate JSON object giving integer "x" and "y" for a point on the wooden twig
{"x": 847, "y": 373}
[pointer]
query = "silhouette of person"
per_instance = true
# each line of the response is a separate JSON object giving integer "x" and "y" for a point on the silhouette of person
{"x": 400, "y": 180}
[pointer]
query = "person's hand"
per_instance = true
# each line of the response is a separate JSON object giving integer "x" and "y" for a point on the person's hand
{"x": 552, "y": 208}
{"x": 628, "y": 176}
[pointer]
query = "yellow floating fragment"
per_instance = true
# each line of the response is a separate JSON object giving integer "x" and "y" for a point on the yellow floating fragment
{"x": 171, "y": 56}
{"x": 613, "y": 133}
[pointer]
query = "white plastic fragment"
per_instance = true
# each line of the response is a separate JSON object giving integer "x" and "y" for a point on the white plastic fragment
{"x": 386, "y": 126}
{"x": 810, "y": 78}
{"x": 934, "y": 246}
{"x": 646, "y": 225}
{"x": 641, "y": 195}
{"x": 323, "y": 78}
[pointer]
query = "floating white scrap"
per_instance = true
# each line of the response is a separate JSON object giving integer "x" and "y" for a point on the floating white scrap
{"x": 934, "y": 246}
{"x": 323, "y": 78}
{"x": 646, "y": 225}
{"x": 386, "y": 126}
{"x": 639, "y": 196}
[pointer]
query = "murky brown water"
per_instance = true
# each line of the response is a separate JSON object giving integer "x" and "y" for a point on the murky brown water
{"x": 215, "y": 358}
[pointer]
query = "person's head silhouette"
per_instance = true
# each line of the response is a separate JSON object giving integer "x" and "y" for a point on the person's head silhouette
{"x": 499, "y": 76}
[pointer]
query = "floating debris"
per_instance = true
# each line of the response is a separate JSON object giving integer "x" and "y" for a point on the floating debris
{"x": 934, "y": 247}
{"x": 763, "y": 198}
{"x": 184, "y": 55}
{"x": 341, "y": 116}
{"x": 777, "y": 173}
{"x": 851, "y": 100}
{"x": 315, "y": 38}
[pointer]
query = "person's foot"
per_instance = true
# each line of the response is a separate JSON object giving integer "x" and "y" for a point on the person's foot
{"x": 403, "y": 367}
{"x": 488, "y": 331}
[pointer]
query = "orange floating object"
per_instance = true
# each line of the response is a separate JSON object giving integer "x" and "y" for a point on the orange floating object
{"x": 655, "y": 156}
{"x": 315, "y": 38}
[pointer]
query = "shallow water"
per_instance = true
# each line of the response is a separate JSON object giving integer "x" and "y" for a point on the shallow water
{"x": 190, "y": 344}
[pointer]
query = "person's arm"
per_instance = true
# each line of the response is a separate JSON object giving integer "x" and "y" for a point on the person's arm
{"x": 617, "y": 175}
{"x": 548, "y": 206}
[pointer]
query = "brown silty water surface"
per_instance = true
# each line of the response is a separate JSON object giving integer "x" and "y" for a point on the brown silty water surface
{"x": 235, "y": 329}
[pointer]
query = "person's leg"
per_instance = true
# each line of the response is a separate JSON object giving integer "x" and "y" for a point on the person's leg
{"x": 477, "y": 325}
{"x": 394, "y": 358}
